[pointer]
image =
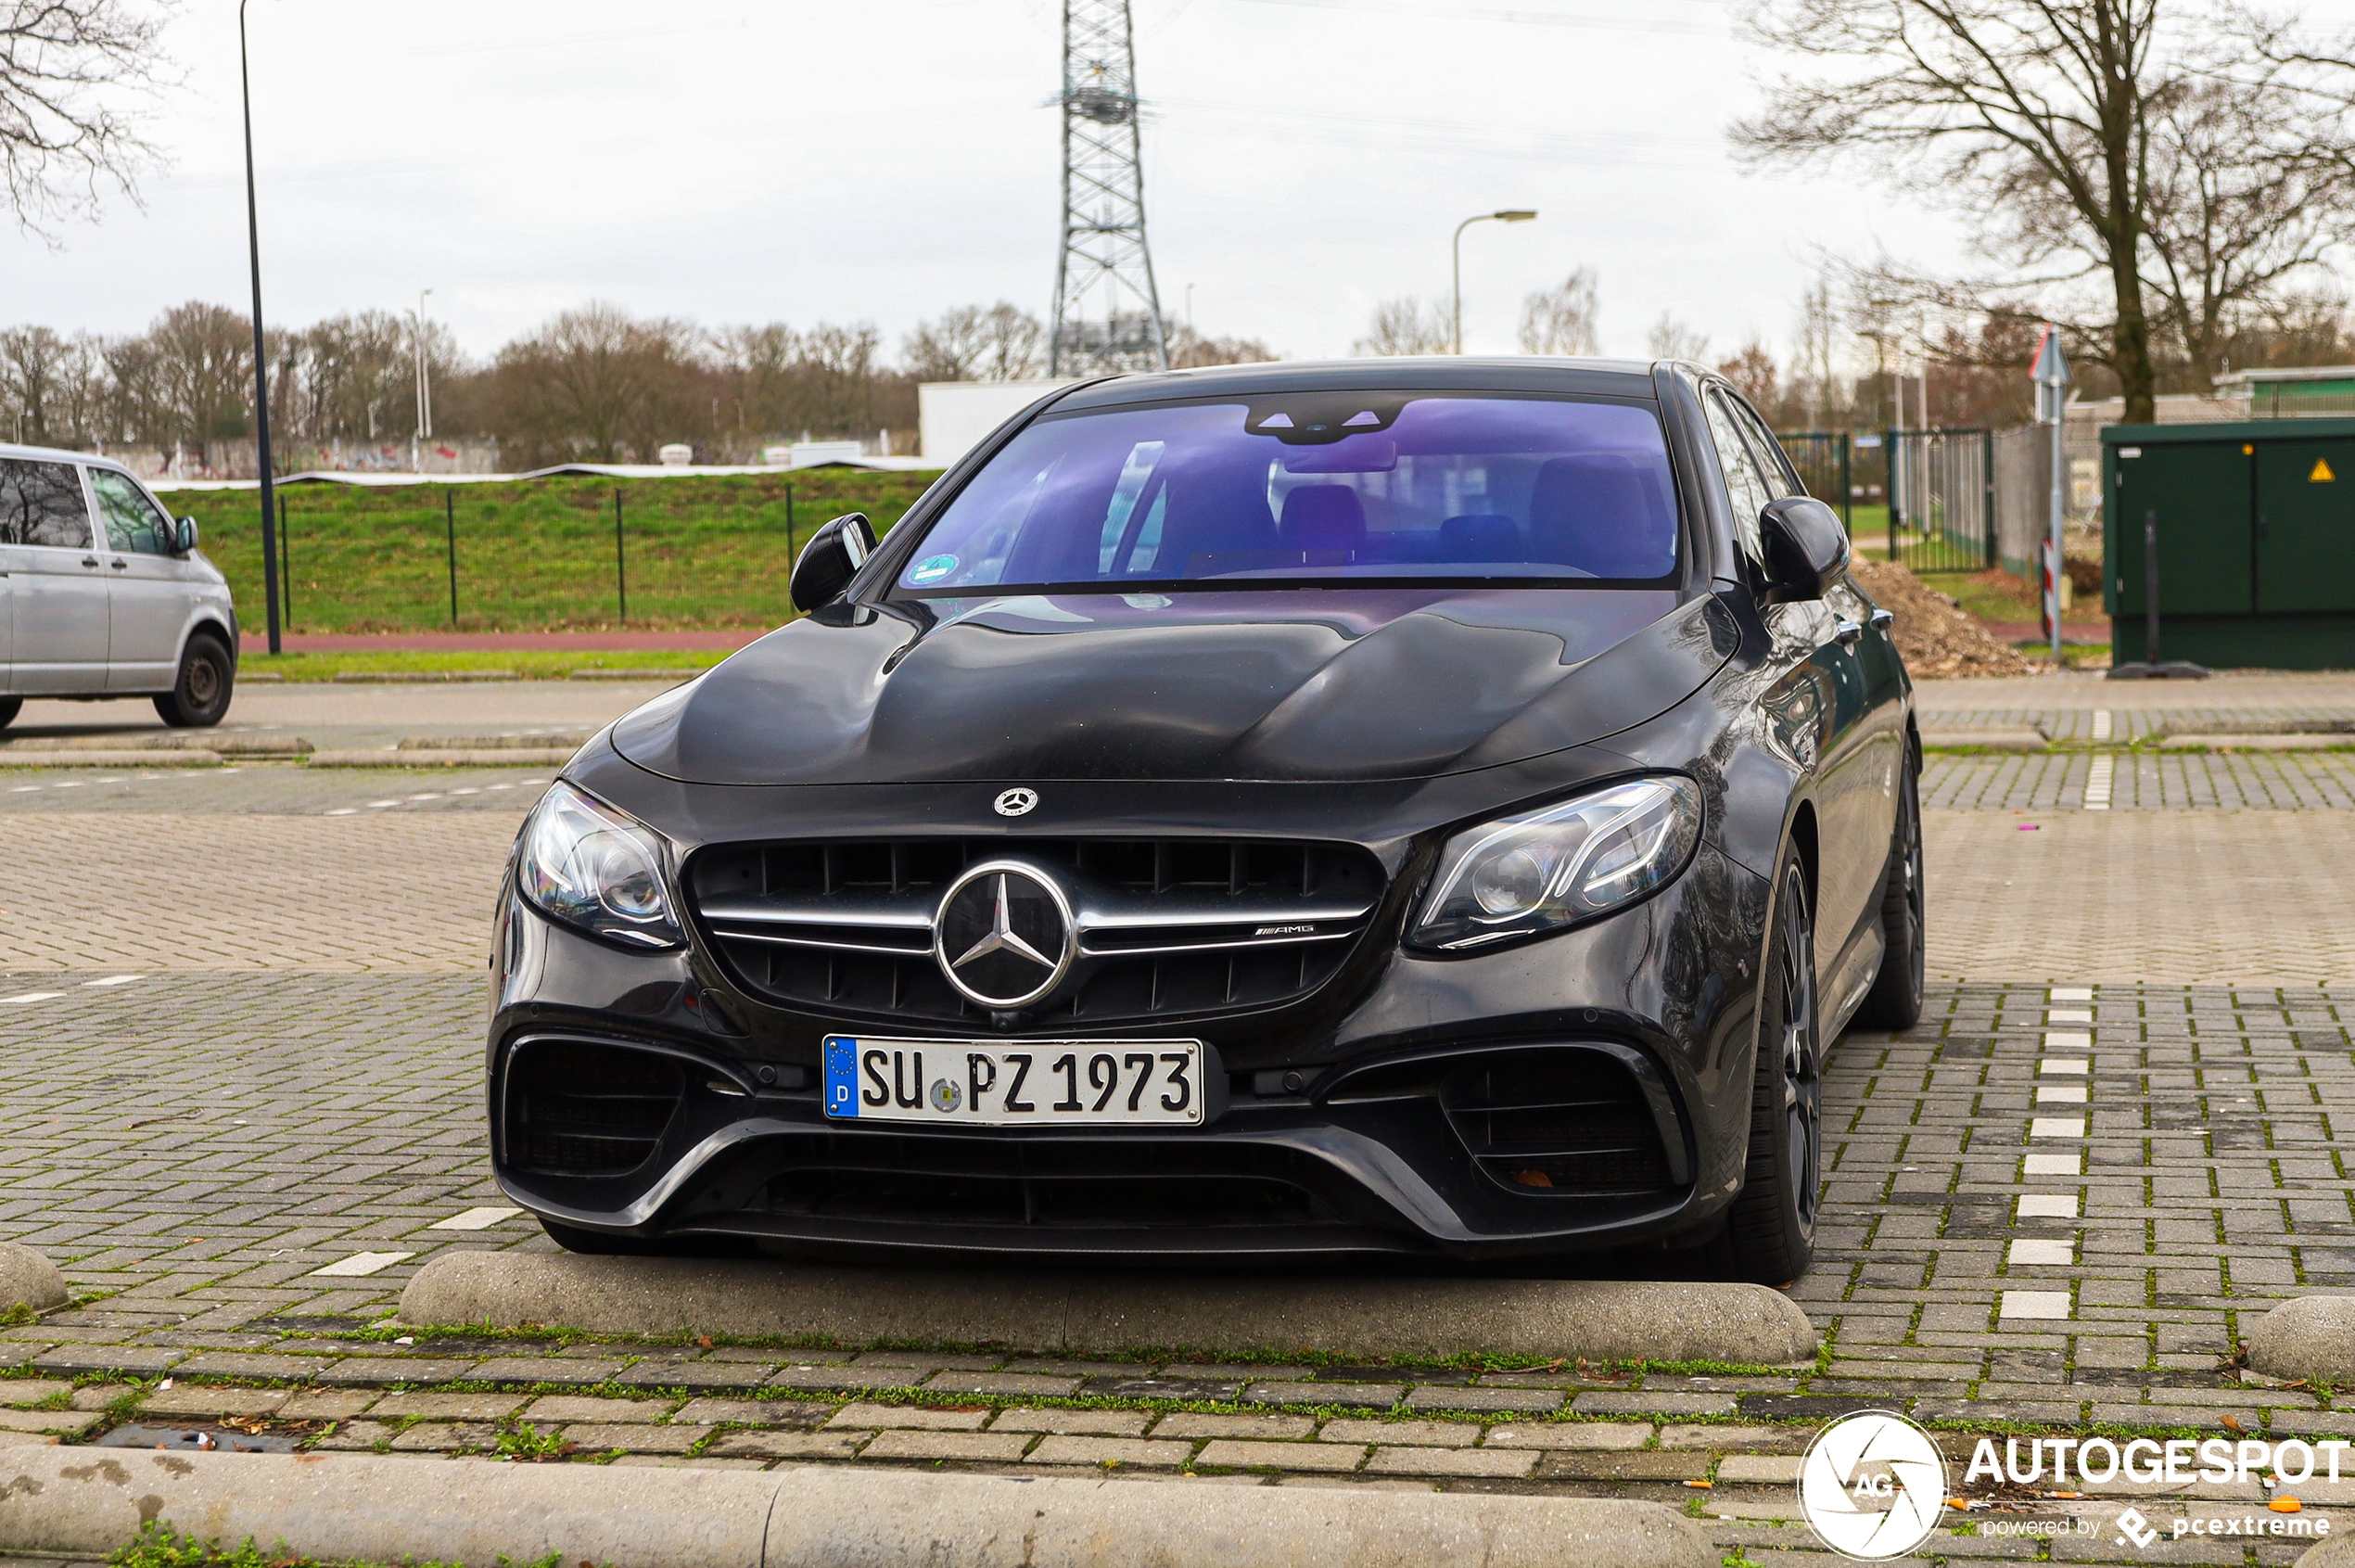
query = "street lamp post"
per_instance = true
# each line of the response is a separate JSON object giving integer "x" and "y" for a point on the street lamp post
{"x": 261, "y": 357}
{"x": 422, "y": 429}
{"x": 1510, "y": 216}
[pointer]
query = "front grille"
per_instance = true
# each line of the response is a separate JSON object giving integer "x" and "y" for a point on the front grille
{"x": 954, "y": 1181}
{"x": 1557, "y": 1120}
{"x": 1167, "y": 927}
{"x": 576, "y": 1109}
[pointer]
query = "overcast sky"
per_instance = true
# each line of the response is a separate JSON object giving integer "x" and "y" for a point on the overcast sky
{"x": 882, "y": 160}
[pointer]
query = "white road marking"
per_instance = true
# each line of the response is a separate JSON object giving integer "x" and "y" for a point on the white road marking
{"x": 2056, "y": 1127}
{"x": 2041, "y": 1251}
{"x": 2103, "y": 729}
{"x": 361, "y": 1264}
{"x": 2098, "y": 781}
{"x": 2070, "y": 1066}
{"x": 2069, "y": 1015}
{"x": 2072, "y": 993}
{"x": 475, "y": 1219}
{"x": 115, "y": 980}
{"x": 31, "y": 996}
{"x": 426, "y": 797}
{"x": 26, "y": 789}
{"x": 2067, "y": 1040}
{"x": 2056, "y": 1165}
{"x": 2048, "y": 1205}
{"x": 75, "y": 785}
{"x": 2049, "y": 1306}
{"x": 2061, "y": 1094}
{"x": 345, "y": 812}
{"x": 380, "y": 804}
{"x": 493, "y": 786}
{"x": 465, "y": 792}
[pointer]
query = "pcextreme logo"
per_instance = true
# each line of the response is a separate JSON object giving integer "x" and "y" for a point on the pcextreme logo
{"x": 1872, "y": 1485}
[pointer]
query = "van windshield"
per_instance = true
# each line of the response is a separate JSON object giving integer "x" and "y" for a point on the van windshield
{"x": 1314, "y": 487}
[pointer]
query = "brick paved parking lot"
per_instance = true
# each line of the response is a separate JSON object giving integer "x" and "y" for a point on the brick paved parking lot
{"x": 241, "y": 1124}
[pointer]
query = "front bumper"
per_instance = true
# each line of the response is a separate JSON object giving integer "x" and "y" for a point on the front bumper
{"x": 1354, "y": 1135}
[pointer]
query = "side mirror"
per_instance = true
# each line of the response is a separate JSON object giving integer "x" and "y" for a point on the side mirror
{"x": 184, "y": 536}
{"x": 1805, "y": 548}
{"x": 828, "y": 562}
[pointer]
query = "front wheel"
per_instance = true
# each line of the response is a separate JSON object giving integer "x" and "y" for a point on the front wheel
{"x": 199, "y": 695}
{"x": 1770, "y": 1231}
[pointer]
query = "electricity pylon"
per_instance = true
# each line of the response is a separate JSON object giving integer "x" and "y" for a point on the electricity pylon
{"x": 1105, "y": 259}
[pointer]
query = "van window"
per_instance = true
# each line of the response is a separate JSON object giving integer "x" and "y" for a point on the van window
{"x": 134, "y": 526}
{"x": 41, "y": 503}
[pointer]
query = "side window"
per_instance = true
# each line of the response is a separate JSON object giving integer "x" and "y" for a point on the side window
{"x": 1744, "y": 485}
{"x": 41, "y": 503}
{"x": 1780, "y": 480}
{"x": 134, "y": 526}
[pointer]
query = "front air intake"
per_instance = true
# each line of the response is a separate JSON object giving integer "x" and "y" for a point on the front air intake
{"x": 578, "y": 1109}
{"x": 1557, "y": 1120}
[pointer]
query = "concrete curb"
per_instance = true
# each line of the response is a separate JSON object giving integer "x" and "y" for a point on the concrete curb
{"x": 2307, "y": 1336}
{"x": 2257, "y": 743}
{"x": 17, "y": 757}
{"x": 517, "y": 756}
{"x": 2336, "y": 1552}
{"x": 2010, "y": 738}
{"x": 341, "y": 1506}
{"x": 1602, "y": 1320}
{"x": 419, "y": 677}
{"x": 27, "y": 1279}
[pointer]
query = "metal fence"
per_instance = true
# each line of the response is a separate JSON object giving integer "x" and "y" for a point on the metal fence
{"x": 1822, "y": 458}
{"x": 1941, "y": 499}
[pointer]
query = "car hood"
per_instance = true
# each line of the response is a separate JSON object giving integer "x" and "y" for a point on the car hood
{"x": 1296, "y": 686}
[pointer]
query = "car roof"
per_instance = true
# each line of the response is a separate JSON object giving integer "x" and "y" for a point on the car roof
{"x": 57, "y": 454}
{"x": 1438, "y": 373}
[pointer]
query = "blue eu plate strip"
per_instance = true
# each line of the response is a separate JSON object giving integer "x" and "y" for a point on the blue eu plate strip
{"x": 842, "y": 1076}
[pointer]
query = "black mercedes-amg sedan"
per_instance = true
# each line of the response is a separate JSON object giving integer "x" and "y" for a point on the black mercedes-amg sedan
{"x": 1426, "y": 806}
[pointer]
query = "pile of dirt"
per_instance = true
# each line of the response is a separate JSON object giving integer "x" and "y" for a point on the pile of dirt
{"x": 1938, "y": 637}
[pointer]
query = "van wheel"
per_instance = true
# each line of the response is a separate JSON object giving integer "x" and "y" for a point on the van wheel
{"x": 199, "y": 697}
{"x": 9, "y": 709}
{"x": 1770, "y": 1231}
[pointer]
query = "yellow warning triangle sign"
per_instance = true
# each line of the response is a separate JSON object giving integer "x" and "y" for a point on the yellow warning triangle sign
{"x": 2321, "y": 474}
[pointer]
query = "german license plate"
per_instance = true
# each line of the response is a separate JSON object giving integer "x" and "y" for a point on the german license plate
{"x": 1037, "y": 1083}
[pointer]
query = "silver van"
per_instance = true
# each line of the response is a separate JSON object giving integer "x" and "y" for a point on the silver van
{"x": 102, "y": 595}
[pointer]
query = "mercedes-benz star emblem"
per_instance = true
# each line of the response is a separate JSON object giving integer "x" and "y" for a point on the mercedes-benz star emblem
{"x": 1016, "y": 802}
{"x": 1004, "y": 934}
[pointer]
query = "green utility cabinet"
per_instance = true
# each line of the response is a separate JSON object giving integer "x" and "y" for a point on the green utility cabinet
{"x": 2256, "y": 530}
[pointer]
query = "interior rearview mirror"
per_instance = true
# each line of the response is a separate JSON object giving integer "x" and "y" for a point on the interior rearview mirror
{"x": 184, "y": 536}
{"x": 832, "y": 557}
{"x": 1806, "y": 548}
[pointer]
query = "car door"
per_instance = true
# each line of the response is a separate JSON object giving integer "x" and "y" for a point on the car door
{"x": 1819, "y": 634}
{"x": 58, "y": 582}
{"x": 148, "y": 591}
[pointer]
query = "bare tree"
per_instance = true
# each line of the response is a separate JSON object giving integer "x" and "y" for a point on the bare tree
{"x": 66, "y": 67}
{"x": 1561, "y": 321}
{"x": 1754, "y": 372}
{"x": 1406, "y": 325}
{"x": 1190, "y": 349}
{"x": 1671, "y": 340}
{"x": 1002, "y": 343}
{"x": 2043, "y": 118}
{"x": 1817, "y": 376}
{"x": 593, "y": 382}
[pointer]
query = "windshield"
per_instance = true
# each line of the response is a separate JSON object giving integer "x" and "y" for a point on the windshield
{"x": 1314, "y": 487}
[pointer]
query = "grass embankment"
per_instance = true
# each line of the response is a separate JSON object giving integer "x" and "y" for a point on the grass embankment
{"x": 538, "y": 554}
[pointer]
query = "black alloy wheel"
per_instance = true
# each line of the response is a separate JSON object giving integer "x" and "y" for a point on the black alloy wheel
{"x": 1895, "y": 1000}
{"x": 1770, "y": 1231}
{"x": 199, "y": 695}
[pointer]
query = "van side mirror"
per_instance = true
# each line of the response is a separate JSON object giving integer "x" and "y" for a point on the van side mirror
{"x": 828, "y": 562}
{"x": 1805, "y": 548}
{"x": 184, "y": 536}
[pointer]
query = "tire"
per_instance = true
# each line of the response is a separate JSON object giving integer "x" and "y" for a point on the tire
{"x": 1895, "y": 1000}
{"x": 9, "y": 709}
{"x": 199, "y": 695}
{"x": 1770, "y": 1231}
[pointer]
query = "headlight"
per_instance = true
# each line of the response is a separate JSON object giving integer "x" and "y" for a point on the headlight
{"x": 1544, "y": 870}
{"x": 588, "y": 865}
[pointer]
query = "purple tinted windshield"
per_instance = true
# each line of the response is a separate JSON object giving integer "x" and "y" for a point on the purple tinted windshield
{"x": 1230, "y": 494}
